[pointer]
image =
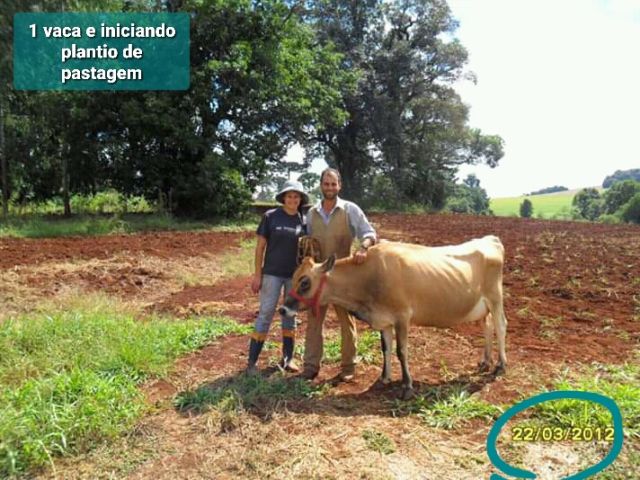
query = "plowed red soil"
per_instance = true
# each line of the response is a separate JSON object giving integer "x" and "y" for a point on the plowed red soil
{"x": 572, "y": 296}
{"x": 572, "y": 290}
{"x": 18, "y": 251}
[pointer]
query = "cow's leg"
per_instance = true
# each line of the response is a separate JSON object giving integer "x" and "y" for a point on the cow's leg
{"x": 500, "y": 326}
{"x": 485, "y": 364}
{"x": 402, "y": 349}
{"x": 386, "y": 339}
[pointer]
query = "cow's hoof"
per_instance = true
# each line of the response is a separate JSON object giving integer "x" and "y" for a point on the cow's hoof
{"x": 384, "y": 381}
{"x": 499, "y": 370}
{"x": 484, "y": 366}
{"x": 407, "y": 393}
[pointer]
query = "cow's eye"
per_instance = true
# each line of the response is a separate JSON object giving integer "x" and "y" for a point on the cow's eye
{"x": 305, "y": 284}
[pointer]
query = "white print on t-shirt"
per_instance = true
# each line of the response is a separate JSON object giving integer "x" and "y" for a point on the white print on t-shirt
{"x": 295, "y": 231}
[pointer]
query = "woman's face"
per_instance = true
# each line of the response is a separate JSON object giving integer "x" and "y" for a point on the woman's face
{"x": 292, "y": 200}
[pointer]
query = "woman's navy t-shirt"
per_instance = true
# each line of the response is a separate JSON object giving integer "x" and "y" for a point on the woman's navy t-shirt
{"x": 282, "y": 232}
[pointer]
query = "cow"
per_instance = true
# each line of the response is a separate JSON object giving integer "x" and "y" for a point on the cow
{"x": 400, "y": 284}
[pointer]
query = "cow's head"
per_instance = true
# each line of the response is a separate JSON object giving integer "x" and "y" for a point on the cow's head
{"x": 308, "y": 286}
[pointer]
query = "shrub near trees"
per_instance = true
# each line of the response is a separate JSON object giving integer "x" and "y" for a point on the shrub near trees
{"x": 587, "y": 203}
{"x": 631, "y": 210}
{"x": 469, "y": 197}
{"x": 526, "y": 208}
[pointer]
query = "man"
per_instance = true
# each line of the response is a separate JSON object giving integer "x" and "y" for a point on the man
{"x": 335, "y": 223}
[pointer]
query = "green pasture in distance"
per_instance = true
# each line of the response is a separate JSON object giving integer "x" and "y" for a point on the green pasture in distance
{"x": 548, "y": 205}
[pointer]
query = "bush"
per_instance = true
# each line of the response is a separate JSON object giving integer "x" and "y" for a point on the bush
{"x": 526, "y": 208}
{"x": 631, "y": 210}
{"x": 108, "y": 201}
{"x": 588, "y": 204}
{"x": 609, "y": 218}
{"x": 469, "y": 197}
{"x": 211, "y": 190}
{"x": 619, "y": 194}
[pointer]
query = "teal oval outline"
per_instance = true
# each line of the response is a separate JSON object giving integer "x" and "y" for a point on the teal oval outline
{"x": 608, "y": 403}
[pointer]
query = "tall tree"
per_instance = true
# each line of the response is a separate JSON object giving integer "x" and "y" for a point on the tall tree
{"x": 406, "y": 122}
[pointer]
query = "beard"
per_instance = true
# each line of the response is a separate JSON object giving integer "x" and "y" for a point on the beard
{"x": 329, "y": 195}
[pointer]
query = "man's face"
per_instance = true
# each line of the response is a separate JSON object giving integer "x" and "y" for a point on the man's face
{"x": 330, "y": 186}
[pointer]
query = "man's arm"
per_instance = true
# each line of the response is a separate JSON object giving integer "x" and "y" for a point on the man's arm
{"x": 360, "y": 225}
{"x": 363, "y": 230}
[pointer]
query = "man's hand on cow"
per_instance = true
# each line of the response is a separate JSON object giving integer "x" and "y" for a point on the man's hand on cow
{"x": 360, "y": 256}
{"x": 256, "y": 283}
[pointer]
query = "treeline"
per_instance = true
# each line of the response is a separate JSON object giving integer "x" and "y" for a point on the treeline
{"x": 366, "y": 85}
{"x": 620, "y": 203}
{"x": 619, "y": 175}
{"x": 554, "y": 189}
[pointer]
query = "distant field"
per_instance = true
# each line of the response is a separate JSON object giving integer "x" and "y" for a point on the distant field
{"x": 549, "y": 205}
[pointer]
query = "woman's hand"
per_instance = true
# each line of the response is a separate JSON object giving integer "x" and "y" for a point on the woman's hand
{"x": 256, "y": 283}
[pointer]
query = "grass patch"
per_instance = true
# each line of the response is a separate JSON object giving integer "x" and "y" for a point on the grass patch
{"x": 247, "y": 393}
{"x": 369, "y": 348}
{"x": 549, "y": 326}
{"x": 378, "y": 442}
{"x": 625, "y": 467}
{"x": 40, "y": 226}
{"x": 450, "y": 408}
{"x": 68, "y": 380}
{"x": 552, "y": 205}
{"x": 239, "y": 262}
{"x": 620, "y": 383}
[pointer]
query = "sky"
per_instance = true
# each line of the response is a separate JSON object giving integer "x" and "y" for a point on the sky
{"x": 559, "y": 81}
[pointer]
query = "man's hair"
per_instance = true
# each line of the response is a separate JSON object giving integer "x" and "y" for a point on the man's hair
{"x": 331, "y": 170}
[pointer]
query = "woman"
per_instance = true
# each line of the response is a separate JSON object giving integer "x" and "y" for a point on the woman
{"x": 275, "y": 262}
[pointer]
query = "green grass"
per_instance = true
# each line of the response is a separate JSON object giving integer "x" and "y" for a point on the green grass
{"x": 68, "y": 380}
{"x": 620, "y": 383}
{"x": 453, "y": 409}
{"x": 239, "y": 262}
{"x": 247, "y": 392}
{"x": 447, "y": 407}
{"x": 369, "y": 349}
{"x": 378, "y": 442}
{"x": 551, "y": 205}
{"x": 58, "y": 226}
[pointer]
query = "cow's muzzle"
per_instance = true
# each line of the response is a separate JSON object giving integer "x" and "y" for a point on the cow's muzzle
{"x": 286, "y": 311}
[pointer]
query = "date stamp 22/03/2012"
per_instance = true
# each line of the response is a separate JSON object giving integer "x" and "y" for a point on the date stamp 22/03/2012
{"x": 545, "y": 433}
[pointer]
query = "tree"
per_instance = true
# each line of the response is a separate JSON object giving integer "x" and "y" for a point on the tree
{"x": 631, "y": 210}
{"x": 555, "y": 188}
{"x": 469, "y": 197}
{"x": 587, "y": 203}
{"x": 619, "y": 194}
{"x": 311, "y": 183}
{"x": 406, "y": 123}
{"x": 526, "y": 208}
{"x": 619, "y": 175}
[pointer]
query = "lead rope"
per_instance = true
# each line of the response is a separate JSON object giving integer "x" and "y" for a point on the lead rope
{"x": 309, "y": 247}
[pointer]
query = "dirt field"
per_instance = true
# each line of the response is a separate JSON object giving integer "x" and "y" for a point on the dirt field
{"x": 572, "y": 297}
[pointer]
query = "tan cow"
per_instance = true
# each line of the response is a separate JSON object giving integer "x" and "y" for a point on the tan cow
{"x": 401, "y": 284}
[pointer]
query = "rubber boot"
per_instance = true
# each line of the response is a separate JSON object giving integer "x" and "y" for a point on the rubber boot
{"x": 288, "y": 344}
{"x": 255, "y": 347}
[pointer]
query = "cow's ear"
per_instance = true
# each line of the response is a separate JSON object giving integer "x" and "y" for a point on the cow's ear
{"x": 327, "y": 266}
